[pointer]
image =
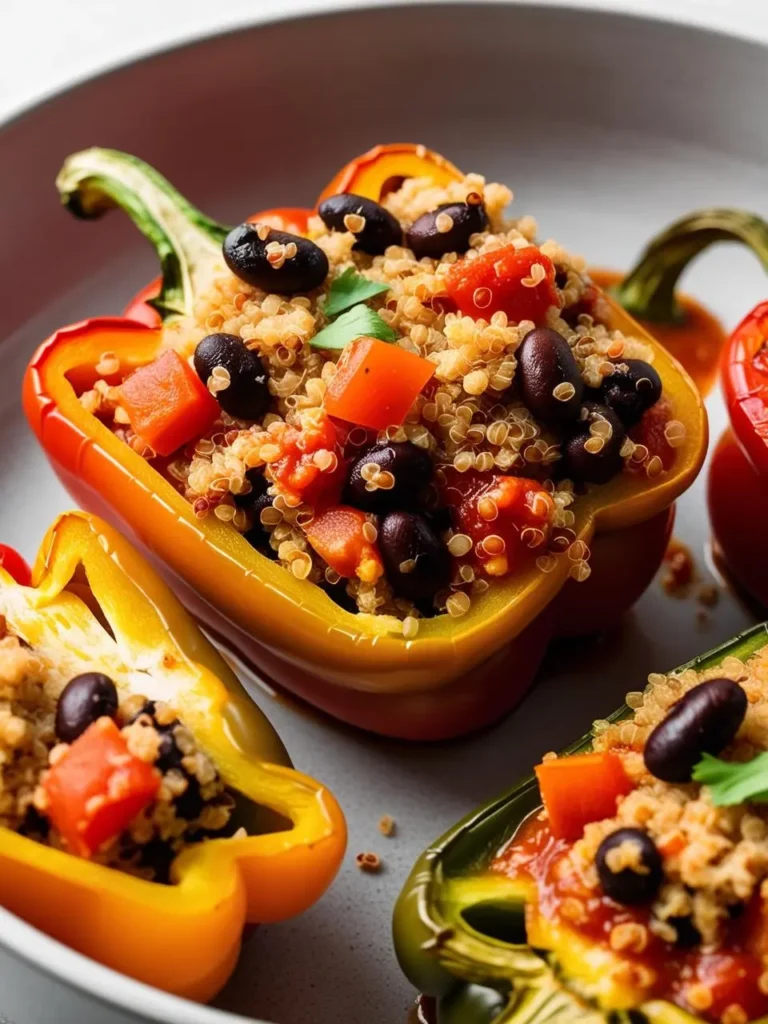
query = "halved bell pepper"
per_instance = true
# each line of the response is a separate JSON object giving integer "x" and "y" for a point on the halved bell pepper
{"x": 457, "y": 674}
{"x": 738, "y": 475}
{"x": 94, "y": 602}
{"x": 473, "y": 941}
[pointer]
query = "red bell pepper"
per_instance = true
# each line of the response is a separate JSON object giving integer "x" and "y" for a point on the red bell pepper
{"x": 14, "y": 565}
{"x": 738, "y": 477}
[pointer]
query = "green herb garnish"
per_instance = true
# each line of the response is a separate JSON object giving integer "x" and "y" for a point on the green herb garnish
{"x": 349, "y": 289}
{"x": 356, "y": 322}
{"x": 734, "y": 782}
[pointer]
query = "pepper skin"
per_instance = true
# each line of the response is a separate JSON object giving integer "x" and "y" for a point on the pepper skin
{"x": 460, "y": 932}
{"x": 444, "y": 682}
{"x": 738, "y": 475}
{"x": 183, "y": 937}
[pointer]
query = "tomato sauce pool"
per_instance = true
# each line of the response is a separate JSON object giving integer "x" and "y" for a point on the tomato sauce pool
{"x": 696, "y": 343}
{"x": 730, "y": 974}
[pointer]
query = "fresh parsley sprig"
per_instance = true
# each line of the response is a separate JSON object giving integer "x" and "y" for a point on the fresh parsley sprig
{"x": 345, "y": 302}
{"x": 350, "y": 288}
{"x": 734, "y": 782}
{"x": 355, "y": 323}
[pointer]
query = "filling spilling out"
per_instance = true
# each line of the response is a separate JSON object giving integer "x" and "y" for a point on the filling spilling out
{"x": 119, "y": 781}
{"x": 646, "y": 873}
{"x": 402, "y": 405}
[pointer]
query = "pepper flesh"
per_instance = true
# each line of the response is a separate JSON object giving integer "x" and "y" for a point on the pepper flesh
{"x": 218, "y": 885}
{"x": 469, "y": 938}
{"x": 580, "y": 789}
{"x": 445, "y": 681}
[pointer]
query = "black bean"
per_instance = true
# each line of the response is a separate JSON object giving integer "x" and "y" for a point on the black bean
{"x": 687, "y": 933}
{"x": 148, "y": 708}
{"x": 703, "y": 721}
{"x": 632, "y": 388}
{"x": 417, "y": 562}
{"x": 190, "y": 803}
{"x": 247, "y": 254}
{"x": 546, "y": 363}
{"x": 168, "y": 754}
{"x": 85, "y": 698}
{"x": 378, "y": 230}
{"x": 411, "y": 467}
{"x": 247, "y": 396}
{"x": 584, "y": 466}
{"x": 34, "y": 824}
{"x": 256, "y": 499}
{"x": 158, "y": 855}
{"x": 448, "y": 228}
{"x": 629, "y": 886}
{"x": 338, "y": 594}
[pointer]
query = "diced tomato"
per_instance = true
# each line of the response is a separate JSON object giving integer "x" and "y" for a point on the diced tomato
{"x": 15, "y": 565}
{"x": 376, "y": 384}
{"x": 311, "y": 466}
{"x": 97, "y": 788}
{"x": 337, "y": 536}
{"x": 732, "y": 978}
{"x": 581, "y": 789}
{"x": 505, "y": 280}
{"x": 507, "y": 517}
{"x": 650, "y": 432}
{"x": 167, "y": 403}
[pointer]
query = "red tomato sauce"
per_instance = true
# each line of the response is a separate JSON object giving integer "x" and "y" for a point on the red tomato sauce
{"x": 731, "y": 973}
{"x": 696, "y": 343}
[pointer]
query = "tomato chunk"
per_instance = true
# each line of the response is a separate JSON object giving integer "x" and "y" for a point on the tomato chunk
{"x": 167, "y": 403}
{"x": 15, "y": 565}
{"x": 505, "y": 280}
{"x": 311, "y": 467}
{"x": 97, "y": 788}
{"x": 376, "y": 384}
{"x": 650, "y": 432}
{"x": 338, "y": 536}
{"x": 507, "y": 518}
{"x": 580, "y": 789}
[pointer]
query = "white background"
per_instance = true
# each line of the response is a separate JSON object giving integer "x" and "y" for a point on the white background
{"x": 47, "y": 44}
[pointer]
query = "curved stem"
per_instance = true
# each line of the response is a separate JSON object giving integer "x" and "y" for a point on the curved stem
{"x": 648, "y": 290}
{"x": 187, "y": 243}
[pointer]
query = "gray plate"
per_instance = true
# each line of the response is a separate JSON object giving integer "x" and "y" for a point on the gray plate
{"x": 607, "y": 127}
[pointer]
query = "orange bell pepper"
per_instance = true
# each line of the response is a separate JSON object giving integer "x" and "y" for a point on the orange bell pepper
{"x": 384, "y": 168}
{"x": 127, "y": 623}
{"x": 580, "y": 789}
{"x": 376, "y": 383}
{"x": 167, "y": 403}
{"x": 445, "y": 681}
{"x": 97, "y": 788}
{"x": 337, "y": 536}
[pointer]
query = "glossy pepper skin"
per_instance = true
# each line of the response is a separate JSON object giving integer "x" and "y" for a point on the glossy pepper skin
{"x": 460, "y": 933}
{"x": 738, "y": 475}
{"x": 125, "y": 922}
{"x": 443, "y": 683}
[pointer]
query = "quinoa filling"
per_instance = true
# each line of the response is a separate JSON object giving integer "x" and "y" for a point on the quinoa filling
{"x": 520, "y": 413}
{"x": 674, "y": 879}
{"x": 183, "y": 799}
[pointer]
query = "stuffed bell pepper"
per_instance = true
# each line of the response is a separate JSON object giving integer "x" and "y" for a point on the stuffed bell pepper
{"x": 147, "y": 809}
{"x": 627, "y": 882}
{"x": 386, "y": 448}
{"x": 738, "y": 475}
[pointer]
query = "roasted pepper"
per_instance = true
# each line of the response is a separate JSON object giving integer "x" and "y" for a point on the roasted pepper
{"x": 463, "y": 937}
{"x": 93, "y": 601}
{"x": 445, "y": 681}
{"x": 738, "y": 475}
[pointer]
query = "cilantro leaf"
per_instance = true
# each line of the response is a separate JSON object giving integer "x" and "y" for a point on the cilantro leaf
{"x": 356, "y": 322}
{"x": 733, "y": 782}
{"x": 350, "y": 288}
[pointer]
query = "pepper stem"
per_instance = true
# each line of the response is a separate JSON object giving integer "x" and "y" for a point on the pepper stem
{"x": 188, "y": 243}
{"x": 648, "y": 290}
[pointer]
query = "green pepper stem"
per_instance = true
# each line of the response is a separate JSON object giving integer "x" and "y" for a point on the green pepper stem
{"x": 648, "y": 290}
{"x": 187, "y": 243}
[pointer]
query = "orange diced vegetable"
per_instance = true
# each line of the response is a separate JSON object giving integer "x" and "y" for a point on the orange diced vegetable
{"x": 376, "y": 384}
{"x": 167, "y": 403}
{"x": 505, "y": 280}
{"x": 97, "y": 788}
{"x": 337, "y": 536}
{"x": 580, "y": 789}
